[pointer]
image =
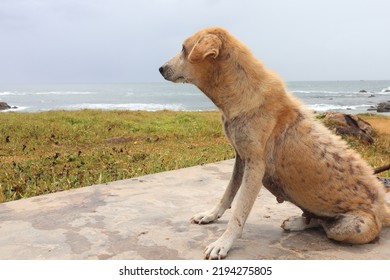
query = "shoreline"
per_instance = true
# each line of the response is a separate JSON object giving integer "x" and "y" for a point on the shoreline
{"x": 20, "y": 111}
{"x": 319, "y": 96}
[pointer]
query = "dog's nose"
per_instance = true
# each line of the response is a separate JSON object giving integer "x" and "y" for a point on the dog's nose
{"x": 161, "y": 69}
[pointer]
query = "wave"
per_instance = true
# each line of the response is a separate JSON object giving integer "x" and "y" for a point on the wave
{"x": 18, "y": 93}
{"x": 323, "y": 91}
{"x": 331, "y": 107}
{"x": 9, "y": 93}
{"x": 126, "y": 106}
{"x": 64, "y": 93}
{"x": 384, "y": 91}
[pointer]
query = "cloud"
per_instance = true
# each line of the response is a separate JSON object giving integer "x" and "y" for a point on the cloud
{"x": 126, "y": 41}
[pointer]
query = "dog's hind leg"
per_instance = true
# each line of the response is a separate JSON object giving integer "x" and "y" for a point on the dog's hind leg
{"x": 227, "y": 199}
{"x": 353, "y": 227}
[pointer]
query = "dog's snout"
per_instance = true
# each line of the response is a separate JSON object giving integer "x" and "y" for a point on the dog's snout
{"x": 165, "y": 71}
{"x": 170, "y": 72}
{"x": 161, "y": 69}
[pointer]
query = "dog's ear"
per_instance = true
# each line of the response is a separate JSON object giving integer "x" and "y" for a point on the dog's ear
{"x": 209, "y": 44}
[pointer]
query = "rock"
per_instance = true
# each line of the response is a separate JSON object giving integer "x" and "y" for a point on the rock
{"x": 387, "y": 90}
{"x": 372, "y": 95}
{"x": 4, "y": 106}
{"x": 383, "y": 107}
{"x": 362, "y": 91}
{"x": 345, "y": 124}
{"x": 386, "y": 182}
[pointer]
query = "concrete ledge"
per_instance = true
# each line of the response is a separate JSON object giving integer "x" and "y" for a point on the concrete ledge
{"x": 148, "y": 218}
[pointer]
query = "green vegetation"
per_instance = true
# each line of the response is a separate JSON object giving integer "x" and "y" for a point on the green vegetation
{"x": 58, "y": 150}
{"x": 53, "y": 151}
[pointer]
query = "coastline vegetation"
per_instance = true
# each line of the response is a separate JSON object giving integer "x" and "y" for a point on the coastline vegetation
{"x": 58, "y": 150}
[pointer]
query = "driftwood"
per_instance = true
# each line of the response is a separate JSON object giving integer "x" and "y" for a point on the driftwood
{"x": 382, "y": 168}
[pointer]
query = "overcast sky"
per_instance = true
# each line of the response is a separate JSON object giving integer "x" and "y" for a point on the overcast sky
{"x": 98, "y": 41}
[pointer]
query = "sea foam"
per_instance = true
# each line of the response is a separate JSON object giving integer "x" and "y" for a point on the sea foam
{"x": 126, "y": 106}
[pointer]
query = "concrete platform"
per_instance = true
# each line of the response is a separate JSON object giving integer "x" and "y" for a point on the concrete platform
{"x": 148, "y": 218}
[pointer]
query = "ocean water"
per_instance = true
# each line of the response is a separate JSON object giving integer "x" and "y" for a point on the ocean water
{"x": 346, "y": 96}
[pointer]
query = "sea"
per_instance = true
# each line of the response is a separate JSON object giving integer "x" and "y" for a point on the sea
{"x": 321, "y": 96}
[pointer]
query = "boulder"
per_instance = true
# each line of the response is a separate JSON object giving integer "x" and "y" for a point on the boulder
{"x": 383, "y": 107}
{"x": 362, "y": 91}
{"x": 4, "y": 106}
{"x": 345, "y": 124}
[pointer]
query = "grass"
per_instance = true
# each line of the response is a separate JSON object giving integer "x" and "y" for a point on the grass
{"x": 59, "y": 150}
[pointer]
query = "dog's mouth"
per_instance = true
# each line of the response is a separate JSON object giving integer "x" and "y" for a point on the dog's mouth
{"x": 180, "y": 79}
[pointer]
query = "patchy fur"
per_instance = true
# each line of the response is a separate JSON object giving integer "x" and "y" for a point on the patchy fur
{"x": 278, "y": 143}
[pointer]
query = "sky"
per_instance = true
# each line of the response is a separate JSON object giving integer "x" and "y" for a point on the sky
{"x": 125, "y": 41}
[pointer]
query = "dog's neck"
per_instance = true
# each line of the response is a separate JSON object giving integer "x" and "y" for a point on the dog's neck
{"x": 237, "y": 89}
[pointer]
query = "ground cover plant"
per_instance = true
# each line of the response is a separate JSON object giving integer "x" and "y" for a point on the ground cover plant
{"x": 58, "y": 150}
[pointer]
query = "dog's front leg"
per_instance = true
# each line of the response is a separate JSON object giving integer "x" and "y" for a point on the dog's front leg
{"x": 227, "y": 199}
{"x": 253, "y": 175}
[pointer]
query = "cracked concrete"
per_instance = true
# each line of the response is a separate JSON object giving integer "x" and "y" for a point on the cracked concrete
{"x": 148, "y": 218}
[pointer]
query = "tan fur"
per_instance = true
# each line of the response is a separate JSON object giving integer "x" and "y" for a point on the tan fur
{"x": 278, "y": 143}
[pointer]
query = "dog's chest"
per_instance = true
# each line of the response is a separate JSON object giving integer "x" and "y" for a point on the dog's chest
{"x": 237, "y": 134}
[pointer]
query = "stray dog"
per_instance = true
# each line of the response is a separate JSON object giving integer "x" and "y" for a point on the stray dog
{"x": 279, "y": 145}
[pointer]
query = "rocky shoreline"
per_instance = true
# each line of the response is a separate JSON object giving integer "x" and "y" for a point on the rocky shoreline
{"x": 5, "y": 106}
{"x": 383, "y": 107}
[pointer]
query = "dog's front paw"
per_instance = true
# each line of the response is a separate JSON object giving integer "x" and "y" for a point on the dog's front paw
{"x": 207, "y": 217}
{"x": 218, "y": 249}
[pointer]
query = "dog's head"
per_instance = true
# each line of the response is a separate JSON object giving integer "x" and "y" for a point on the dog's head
{"x": 197, "y": 58}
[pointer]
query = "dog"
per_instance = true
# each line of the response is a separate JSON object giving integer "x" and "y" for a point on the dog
{"x": 278, "y": 144}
